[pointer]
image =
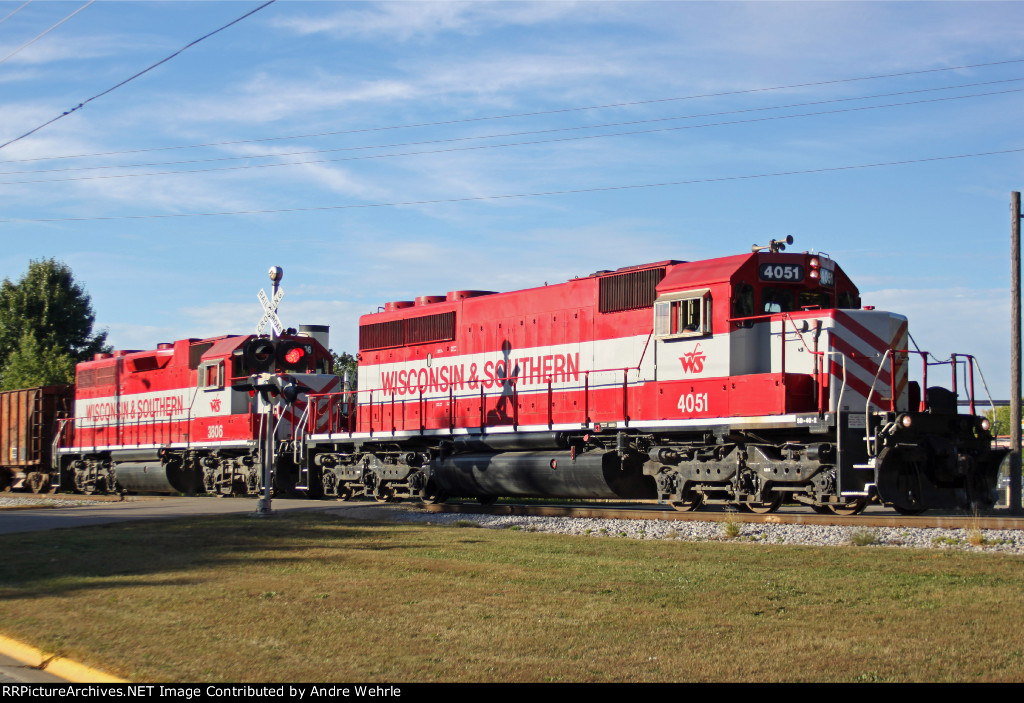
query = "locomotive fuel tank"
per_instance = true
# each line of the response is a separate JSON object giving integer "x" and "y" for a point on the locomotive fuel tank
{"x": 555, "y": 474}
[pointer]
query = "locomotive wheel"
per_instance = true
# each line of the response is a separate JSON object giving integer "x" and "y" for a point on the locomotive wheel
{"x": 854, "y": 507}
{"x": 432, "y": 497}
{"x": 762, "y": 508}
{"x": 685, "y": 506}
{"x": 907, "y": 511}
{"x": 384, "y": 494}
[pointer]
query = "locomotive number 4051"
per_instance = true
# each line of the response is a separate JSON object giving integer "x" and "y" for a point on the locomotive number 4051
{"x": 693, "y": 402}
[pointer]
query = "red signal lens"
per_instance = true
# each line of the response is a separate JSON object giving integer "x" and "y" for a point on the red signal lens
{"x": 294, "y": 355}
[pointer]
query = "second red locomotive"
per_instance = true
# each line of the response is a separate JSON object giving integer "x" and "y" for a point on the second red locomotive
{"x": 187, "y": 417}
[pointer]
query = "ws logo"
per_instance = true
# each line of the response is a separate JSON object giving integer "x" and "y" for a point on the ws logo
{"x": 693, "y": 362}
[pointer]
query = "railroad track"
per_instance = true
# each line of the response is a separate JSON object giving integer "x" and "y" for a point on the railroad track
{"x": 876, "y": 517}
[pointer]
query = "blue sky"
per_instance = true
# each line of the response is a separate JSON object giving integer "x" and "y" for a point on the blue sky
{"x": 929, "y": 240}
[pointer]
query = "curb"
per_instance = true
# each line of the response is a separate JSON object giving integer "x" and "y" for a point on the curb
{"x": 66, "y": 669}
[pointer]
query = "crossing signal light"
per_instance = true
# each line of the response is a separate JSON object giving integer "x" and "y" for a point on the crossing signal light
{"x": 294, "y": 356}
{"x": 259, "y": 355}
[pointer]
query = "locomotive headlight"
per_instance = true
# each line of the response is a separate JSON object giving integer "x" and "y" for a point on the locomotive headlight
{"x": 985, "y": 424}
{"x": 815, "y": 262}
{"x": 814, "y": 274}
{"x": 906, "y": 421}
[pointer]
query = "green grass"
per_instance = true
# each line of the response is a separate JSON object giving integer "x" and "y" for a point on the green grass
{"x": 311, "y": 597}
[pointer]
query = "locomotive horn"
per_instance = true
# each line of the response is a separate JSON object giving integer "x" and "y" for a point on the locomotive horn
{"x": 774, "y": 246}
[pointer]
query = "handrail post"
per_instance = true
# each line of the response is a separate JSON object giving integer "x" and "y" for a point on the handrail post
{"x": 970, "y": 362}
{"x": 353, "y": 409}
{"x": 551, "y": 414}
{"x": 892, "y": 382}
{"x": 782, "y": 339}
{"x": 625, "y": 396}
{"x": 952, "y": 361}
{"x": 515, "y": 407}
{"x": 924, "y": 382}
{"x": 586, "y": 397}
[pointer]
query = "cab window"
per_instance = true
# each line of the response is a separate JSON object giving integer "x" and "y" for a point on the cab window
{"x": 777, "y": 300}
{"x": 683, "y": 314}
{"x": 211, "y": 374}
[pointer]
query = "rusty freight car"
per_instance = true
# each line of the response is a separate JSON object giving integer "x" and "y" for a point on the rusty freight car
{"x": 28, "y": 420}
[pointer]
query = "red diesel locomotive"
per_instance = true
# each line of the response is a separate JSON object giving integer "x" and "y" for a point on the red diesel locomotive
{"x": 187, "y": 417}
{"x": 746, "y": 380}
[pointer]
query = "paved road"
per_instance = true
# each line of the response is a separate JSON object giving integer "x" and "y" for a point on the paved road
{"x": 13, "y": 671}
{"x": 100, "y": 512}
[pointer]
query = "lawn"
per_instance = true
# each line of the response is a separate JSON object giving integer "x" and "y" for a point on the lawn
{"x": 313, "y": 597}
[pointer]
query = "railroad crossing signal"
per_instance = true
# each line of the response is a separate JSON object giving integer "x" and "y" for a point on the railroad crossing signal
{"x": 270, "y": 311}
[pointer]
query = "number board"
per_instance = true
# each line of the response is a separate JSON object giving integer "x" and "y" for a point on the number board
{"x": 781, "y": 272}
{"x": 828, "y": 277}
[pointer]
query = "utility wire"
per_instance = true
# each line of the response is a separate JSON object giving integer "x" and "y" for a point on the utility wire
{"x": 497, "y": 146}
{"x": 14, "y": 12}
{"x": 40, "y": 36}
{"x": 140, "y": 73}
{"x": 246, "y": 157}
{"x": 481, "y": 198}
{"x": 516, "y": 115}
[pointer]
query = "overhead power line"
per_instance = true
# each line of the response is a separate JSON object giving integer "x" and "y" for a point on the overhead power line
{"x": 12, "y": 13}
{"x": 479, "y": 137}
{"x": 509, "y": 196}
{"x": 505, "y": 145}
{"x": 515, "y": 115}
{"x": 140, "y": 73}
{"x": 40, "y": 36}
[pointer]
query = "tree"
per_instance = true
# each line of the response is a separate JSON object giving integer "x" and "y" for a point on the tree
{"x": 48, "y": 303}
{"x": 1000, "y": 419}
{"x": 56, "y": 312}
{"x": 32, "y": 364}
{"x": 346, "y": 362}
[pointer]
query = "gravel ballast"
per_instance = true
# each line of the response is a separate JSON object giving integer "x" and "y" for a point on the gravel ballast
{"x": 1004, "y": 541}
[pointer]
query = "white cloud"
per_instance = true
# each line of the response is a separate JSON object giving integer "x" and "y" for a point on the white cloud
{"x": 403, "y": 21}
{"x": 955, "y": 320}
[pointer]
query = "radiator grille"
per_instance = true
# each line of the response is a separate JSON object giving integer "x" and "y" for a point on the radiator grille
{"x": 629, "y": 291}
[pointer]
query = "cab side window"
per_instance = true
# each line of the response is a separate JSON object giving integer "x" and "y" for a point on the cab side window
{"x": 683, "y": 315}
{"x": 211, "y": 374}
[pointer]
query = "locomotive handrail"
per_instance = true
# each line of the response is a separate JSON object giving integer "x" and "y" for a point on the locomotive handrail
{"x": 336, "y": 398}
{"x": 873, "y": 450}
{"x": 55, "y": 446}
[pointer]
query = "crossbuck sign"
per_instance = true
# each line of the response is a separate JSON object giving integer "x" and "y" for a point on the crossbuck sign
{"x": 270, "y": 311}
